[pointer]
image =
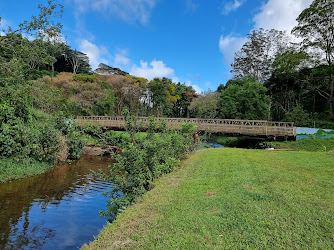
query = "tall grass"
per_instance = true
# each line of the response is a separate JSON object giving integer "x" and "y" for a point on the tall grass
{"x": 11, "y": 169}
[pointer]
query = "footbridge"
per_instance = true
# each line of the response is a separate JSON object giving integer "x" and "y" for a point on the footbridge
{"x": 228, "y": 127}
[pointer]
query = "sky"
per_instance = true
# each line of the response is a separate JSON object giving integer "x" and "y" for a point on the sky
{"x": 188, "y": 41}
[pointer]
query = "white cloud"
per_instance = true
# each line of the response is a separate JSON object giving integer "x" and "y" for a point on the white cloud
{"x": 121, "y": 58}
{"x": 231, "y": 6}
{"x": 195, "y": 87}
{"x": 3, "y": 25}
{"x": 280, "y": 15}
{"x": 152, "y": 70}
{"x": 274, "y": 14}
{"x": 95, "y": 53}
{"x": 198, "y": 90}
{"x": 228, "y": 45}
{"x": 127, "y": 10}
{"x": 175, "y": 79}
{"x": 208, "y": 84}
{"x": 191, "y": 6}
{"x": 159, "y": 69}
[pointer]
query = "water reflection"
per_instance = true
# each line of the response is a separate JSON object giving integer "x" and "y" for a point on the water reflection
{"x": 57, "y": 210}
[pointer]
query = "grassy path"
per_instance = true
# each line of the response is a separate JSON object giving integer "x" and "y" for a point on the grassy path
{"x": 233, "y": 198}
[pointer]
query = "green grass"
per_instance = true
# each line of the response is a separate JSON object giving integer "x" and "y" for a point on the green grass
{"x": 224, "y": 140}
{"x": 11, "y": 169}
{"x": 233, "y": 199}
{"x": 313, "y": 144}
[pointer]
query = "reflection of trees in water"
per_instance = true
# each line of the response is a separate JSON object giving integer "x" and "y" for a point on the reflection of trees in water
{"x": 18, "y": 197}
{"x": 33, "y": 238}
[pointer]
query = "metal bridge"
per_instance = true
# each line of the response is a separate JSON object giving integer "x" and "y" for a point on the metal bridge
{"x": 229, "y": 127}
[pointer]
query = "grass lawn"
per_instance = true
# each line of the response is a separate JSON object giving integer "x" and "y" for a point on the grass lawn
{"x": 313, "y": 144}
{"x": 235, "y": 199}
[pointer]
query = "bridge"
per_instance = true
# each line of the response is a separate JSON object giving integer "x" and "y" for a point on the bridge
{"x": 228, "y": 127}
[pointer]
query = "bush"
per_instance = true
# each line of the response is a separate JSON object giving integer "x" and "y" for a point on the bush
{"x": 142, "y": 161}
{"x": 84, "y": 78}
{"x": 298, "y": 116}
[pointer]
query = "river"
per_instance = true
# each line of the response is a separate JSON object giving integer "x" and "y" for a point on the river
{"x": 56, "y": 210}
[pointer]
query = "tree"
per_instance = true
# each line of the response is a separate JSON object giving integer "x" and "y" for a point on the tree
{"x": 40, "y": 26}
{"x": 316, "y": 27}
{"x": 246, "y": 101}
{"x": 256, "y": 56}
{"x": 286, "y": 87}
{"x": 163, "y": 95}
{"x": 205, "y": 105}
{"x": 76, "y": 59}
{"x": 104, "y": 69}
{"x": 186, "y": 94}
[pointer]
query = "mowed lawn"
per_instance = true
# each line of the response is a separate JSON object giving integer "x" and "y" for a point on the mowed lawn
{"x": 233, "y": 198}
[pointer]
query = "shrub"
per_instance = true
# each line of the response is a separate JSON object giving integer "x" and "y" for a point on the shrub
{"x": 84, "y": 78}
{"x": 143, "y": 161}
{"x": 298, "y": 116}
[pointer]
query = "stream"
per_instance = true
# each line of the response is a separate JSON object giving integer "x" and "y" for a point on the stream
{"x": 56, "y": 210}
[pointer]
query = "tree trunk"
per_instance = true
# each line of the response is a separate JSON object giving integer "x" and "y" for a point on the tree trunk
{"x": 331, "y": 98}
{"x": 331, "y": 105}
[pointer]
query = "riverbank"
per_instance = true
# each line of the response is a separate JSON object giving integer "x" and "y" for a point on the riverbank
{"x": 233, "y": 198}
{"x": 11, "y": 169}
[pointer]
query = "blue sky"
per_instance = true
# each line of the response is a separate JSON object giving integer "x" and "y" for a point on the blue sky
{"x": 191, "y": 41}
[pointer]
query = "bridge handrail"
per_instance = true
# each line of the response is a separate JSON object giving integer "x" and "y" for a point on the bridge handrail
{"x": 195, "y": 120}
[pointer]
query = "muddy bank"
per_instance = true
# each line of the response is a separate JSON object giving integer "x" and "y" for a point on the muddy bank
{"x": 94, "y": 150}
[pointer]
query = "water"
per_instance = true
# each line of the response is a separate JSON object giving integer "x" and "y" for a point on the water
{"x": 56, "y": 210}
{"x": 214, "y": 145}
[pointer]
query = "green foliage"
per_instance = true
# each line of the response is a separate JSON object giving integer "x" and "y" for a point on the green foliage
{"x": 235, "y": 142}
{"x": 107, "y": 104}
{"x": 34, "y": 74}
{"x": 313, "y": 144}
{"x": 186, "y": 96}
{"x": 205, "y": 105}
{"x": 75, "y": 143}
{"x": 297, "y": 115}
{"x": 246, "y": 101}
{"x": 164, "y": 95}
{"x": 144, "y": 160}
{"x": 256, "y": 56}
{"x": 106, "y": 69}
{"x": 321, "y": 132}
{"x": 11, "y": 169}
{"x": 84, "y": 78}
{"x": 22, "y": 139}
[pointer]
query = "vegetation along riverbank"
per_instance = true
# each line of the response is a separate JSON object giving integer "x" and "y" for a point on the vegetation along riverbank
{"x": 233, "y": 198}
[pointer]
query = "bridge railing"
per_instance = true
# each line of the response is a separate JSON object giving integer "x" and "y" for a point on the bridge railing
{"x": 229, "y": 126}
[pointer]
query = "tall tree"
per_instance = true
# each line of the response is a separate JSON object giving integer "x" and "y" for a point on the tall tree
{"x": 105, "y": 69}
{"x": 163, "y": 95}
{"x": 43, "y": 25}
{"x": 246, "y": 101}
{"x": 205, "y": 105}
{"x": 316, "y": 27}
{"x": 286, "y": 87}
{"x": 256, "y": 56}
{"x": 186, "y": 94}
{"x": 76, "y": 58}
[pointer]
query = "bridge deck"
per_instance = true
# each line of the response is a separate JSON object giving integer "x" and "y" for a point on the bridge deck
{"x": 224, "y": 126}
